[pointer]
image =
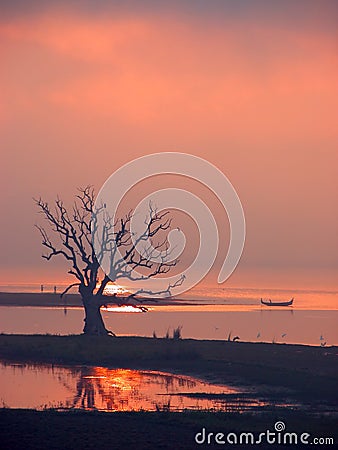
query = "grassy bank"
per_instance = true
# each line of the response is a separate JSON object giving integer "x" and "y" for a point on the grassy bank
{"x": 309, "y": 373}
{"x": 24, "y": 429}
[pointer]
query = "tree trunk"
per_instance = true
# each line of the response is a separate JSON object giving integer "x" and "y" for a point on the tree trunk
{"x": 94, "y": 324}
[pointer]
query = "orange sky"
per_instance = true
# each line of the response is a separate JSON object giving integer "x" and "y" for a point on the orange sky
{"x": 251, "y": 89}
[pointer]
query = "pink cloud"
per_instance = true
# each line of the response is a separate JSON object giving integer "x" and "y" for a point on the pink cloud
{"x": 146, "y": 72}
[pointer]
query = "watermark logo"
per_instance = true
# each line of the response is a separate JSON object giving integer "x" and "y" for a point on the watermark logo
{"x": 279, "y": 426}
{"x": 278, "y": 436}
{"x": 186, "y": 165}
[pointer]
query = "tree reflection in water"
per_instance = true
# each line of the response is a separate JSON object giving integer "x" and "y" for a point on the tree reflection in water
{"x": 124, "y": 389}
{"x": 43, "y": 386}
{"x": 133, "y": 390}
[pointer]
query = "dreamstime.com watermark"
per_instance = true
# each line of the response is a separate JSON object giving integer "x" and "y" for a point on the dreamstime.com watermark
{"x": 184, "y": 165}
{"x": 278, "y": 436}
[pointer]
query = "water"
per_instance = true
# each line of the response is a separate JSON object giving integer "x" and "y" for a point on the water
{"x": 97, "y": 388}
{"x": 304, "y": 298}
{"x": 259, "y": 324}
{"x": 213, "y": 313}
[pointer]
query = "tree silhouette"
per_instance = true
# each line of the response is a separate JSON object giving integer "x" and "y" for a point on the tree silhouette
{"x": 73, "y": 232}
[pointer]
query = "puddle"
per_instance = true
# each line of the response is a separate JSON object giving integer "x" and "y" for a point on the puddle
{"x": 43, "y": 386}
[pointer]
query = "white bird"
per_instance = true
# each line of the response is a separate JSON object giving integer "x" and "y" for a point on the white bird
{"x": 284, "y": 334}
{"x": 258, "y": 335}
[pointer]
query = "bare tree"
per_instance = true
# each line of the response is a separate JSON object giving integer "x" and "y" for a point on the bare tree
{"x": 74, "y": 230}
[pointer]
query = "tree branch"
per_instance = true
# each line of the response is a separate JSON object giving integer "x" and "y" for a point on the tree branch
{"x": 68, "y": 289}
{"x": 76, "y": 228}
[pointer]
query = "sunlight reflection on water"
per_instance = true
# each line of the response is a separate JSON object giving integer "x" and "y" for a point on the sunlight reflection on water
{"x": 99, "y": 388}
{"x": 204, "y": 322}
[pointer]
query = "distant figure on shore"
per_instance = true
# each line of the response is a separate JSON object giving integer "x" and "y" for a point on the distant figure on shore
{"x": 41, "y": 288}
{"x": 54, "y": 289}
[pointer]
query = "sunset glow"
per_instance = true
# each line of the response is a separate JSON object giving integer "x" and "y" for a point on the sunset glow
{"x": 169, "y": 245}
{"x": 112, "y": 289}
{"x": 253, "y": 90}
{"x": 122, "y": 309}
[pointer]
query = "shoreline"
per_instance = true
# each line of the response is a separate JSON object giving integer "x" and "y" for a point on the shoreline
{"x": 236, "y": 363}
{"x": 19, "y": 309}
{"x": 50, "y": 299}
{"x": 53, "y": 299}
{"x": 292, "y": 373}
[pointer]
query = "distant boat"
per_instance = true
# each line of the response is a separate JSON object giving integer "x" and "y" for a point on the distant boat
{"x": 270, "y": 303}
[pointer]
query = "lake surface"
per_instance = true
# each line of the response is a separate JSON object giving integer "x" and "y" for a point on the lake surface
{"x": 254, "y": 323}
{"x": 305, "y": 299}
{"x": 97, "y": 388}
